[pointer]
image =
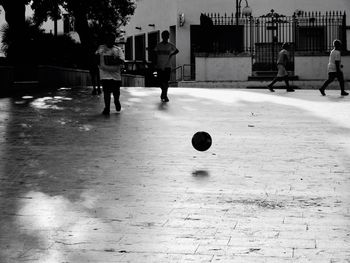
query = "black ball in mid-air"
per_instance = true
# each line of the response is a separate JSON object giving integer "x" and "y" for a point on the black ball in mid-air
{"x": 201, "y": 141}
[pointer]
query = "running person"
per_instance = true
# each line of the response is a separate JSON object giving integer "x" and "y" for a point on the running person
{"x": 111, "y": 58}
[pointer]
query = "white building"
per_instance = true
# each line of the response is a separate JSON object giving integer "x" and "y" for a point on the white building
{"x": 181, "y": 16}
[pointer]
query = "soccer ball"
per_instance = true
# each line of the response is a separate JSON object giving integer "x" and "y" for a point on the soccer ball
{"x": 201, "y": 141}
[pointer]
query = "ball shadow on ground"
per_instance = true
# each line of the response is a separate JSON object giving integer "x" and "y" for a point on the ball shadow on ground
{"x": 200, "y": 173}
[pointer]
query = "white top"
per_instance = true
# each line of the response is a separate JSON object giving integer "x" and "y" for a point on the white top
{"x": 109, "y": 67}
{"x": 333, "y": 57}
{"x": 163, "y": 51}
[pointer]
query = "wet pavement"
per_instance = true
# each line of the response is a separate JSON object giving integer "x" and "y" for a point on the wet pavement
{"x": 77, "y": 186}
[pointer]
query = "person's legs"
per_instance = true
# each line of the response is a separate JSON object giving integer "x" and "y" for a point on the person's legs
{"x": 116, "y": 95}
{"x": 98, "y": 82}
{"x": 272, "y": 83}
{"x": 93, "y": 81}
{"x": 106, "y": 84}
{"x": 331, "y": 76}
{"x": 165, "y": 87}
{"x": 162, "y": 83}
{"x": 288, "y": 88}
{"x": 340, "y": 77}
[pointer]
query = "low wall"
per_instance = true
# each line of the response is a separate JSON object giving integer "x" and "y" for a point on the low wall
{"x": 315, "y": 67}
{"x": 129, "y": 80}
{"x": 6, "y": 78}
{"x": 57, "y": 77}
{"x": 223, "y": 67}
{"x": 52, "y": 76}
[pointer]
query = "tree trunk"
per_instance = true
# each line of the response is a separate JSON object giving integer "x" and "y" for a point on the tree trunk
{"x": 86, "y": 38}
{"x": 15, "y": 17}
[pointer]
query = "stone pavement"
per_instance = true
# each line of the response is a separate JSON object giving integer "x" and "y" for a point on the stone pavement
{"x": 79, "y": 187}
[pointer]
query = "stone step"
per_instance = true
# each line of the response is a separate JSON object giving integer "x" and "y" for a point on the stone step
{"x": 269, "y": 77}
{"x": 277, "y": 87}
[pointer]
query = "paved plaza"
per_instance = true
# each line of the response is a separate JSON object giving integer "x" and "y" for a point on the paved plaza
{"x": 79, "y": 187}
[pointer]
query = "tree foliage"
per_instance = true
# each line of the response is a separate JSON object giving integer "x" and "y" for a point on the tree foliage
{"x": 108, "y": 15}
{"x": 15, "y": 18}
{"x": 105, "y": 16}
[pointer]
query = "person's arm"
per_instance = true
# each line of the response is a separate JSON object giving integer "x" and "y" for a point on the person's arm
{"x": 337, "y": 62}
{"x": 119, "y": 56}
{"x": 174, "y": 52}
{"x": 286, "y": 58}
{"x": 155, "y": 56}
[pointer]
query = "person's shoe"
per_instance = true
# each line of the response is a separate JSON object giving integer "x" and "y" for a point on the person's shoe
{"x": 290, "y": 90}
{"x": 270, "y": 89}
{"x": 94, "y": 92}
{"x": 118, "y": 107}
{"x": 322, "y": 91}
{"x": 344, "y": 93}
{"x": 105, "y": 112}
{"x": 166, "y": 99}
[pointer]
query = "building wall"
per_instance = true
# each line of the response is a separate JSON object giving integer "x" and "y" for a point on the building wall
{"x": 164, "y": 13}
{"x": 315, "y": 67}
{"x": 234, "y": 68}
{"x": 223, "y": 68}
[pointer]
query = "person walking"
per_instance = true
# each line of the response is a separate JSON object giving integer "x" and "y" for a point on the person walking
{"x": 282, "y": 74}
{"x": 334, "y": 69}
{"x": 94, "y": 75}
{"x": 111, "y": 59}
{"x": 164, "y": 52}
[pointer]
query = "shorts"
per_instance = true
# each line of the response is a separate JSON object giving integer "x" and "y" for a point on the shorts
{"x": 164, "y": 75}
{"x": 338, "y": 75}
{"x": 282, "y": 72}
{"x": 111, "y": 85}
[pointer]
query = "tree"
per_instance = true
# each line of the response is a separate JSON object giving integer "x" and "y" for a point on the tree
{"x": 108, "y": 15}
{"x": 30, "y": 31}
{"x": 15, "y": 18}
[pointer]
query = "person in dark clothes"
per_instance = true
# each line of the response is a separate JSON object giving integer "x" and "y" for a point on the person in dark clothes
{"x": 164, "y": 52}
{"x": 282, "y": 74}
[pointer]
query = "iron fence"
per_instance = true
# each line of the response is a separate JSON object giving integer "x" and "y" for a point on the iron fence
{"x": 308, "y": 31}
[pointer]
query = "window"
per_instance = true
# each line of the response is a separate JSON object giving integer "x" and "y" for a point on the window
{"x": 129, "y": 49}
{"x": 153, "y": 40}
{"x": 140, "y": 47}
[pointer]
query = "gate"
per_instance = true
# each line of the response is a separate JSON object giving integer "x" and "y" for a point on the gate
{"x": 270, "y": 32}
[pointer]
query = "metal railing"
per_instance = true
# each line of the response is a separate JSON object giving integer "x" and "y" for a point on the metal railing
{"x": 176, "y": 74}
{"x": 309, "y": 31}
{"x": 188, "y": 72}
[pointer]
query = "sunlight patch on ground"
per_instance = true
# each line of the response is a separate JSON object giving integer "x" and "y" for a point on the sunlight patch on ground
{"x": 49, "y": 102}
{"x": 137, "y": 92}
{"x": 337, "y": 112}
{"x": 43, "y": 217}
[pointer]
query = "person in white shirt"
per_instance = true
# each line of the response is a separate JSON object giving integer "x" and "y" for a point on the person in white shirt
{"x": 111, "y": 59}
{"x": 164, "y": 51}
{"x": 334, "y": 69}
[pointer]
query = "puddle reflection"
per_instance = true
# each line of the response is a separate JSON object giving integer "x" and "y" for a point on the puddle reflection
{"x": 49, "y": 102}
